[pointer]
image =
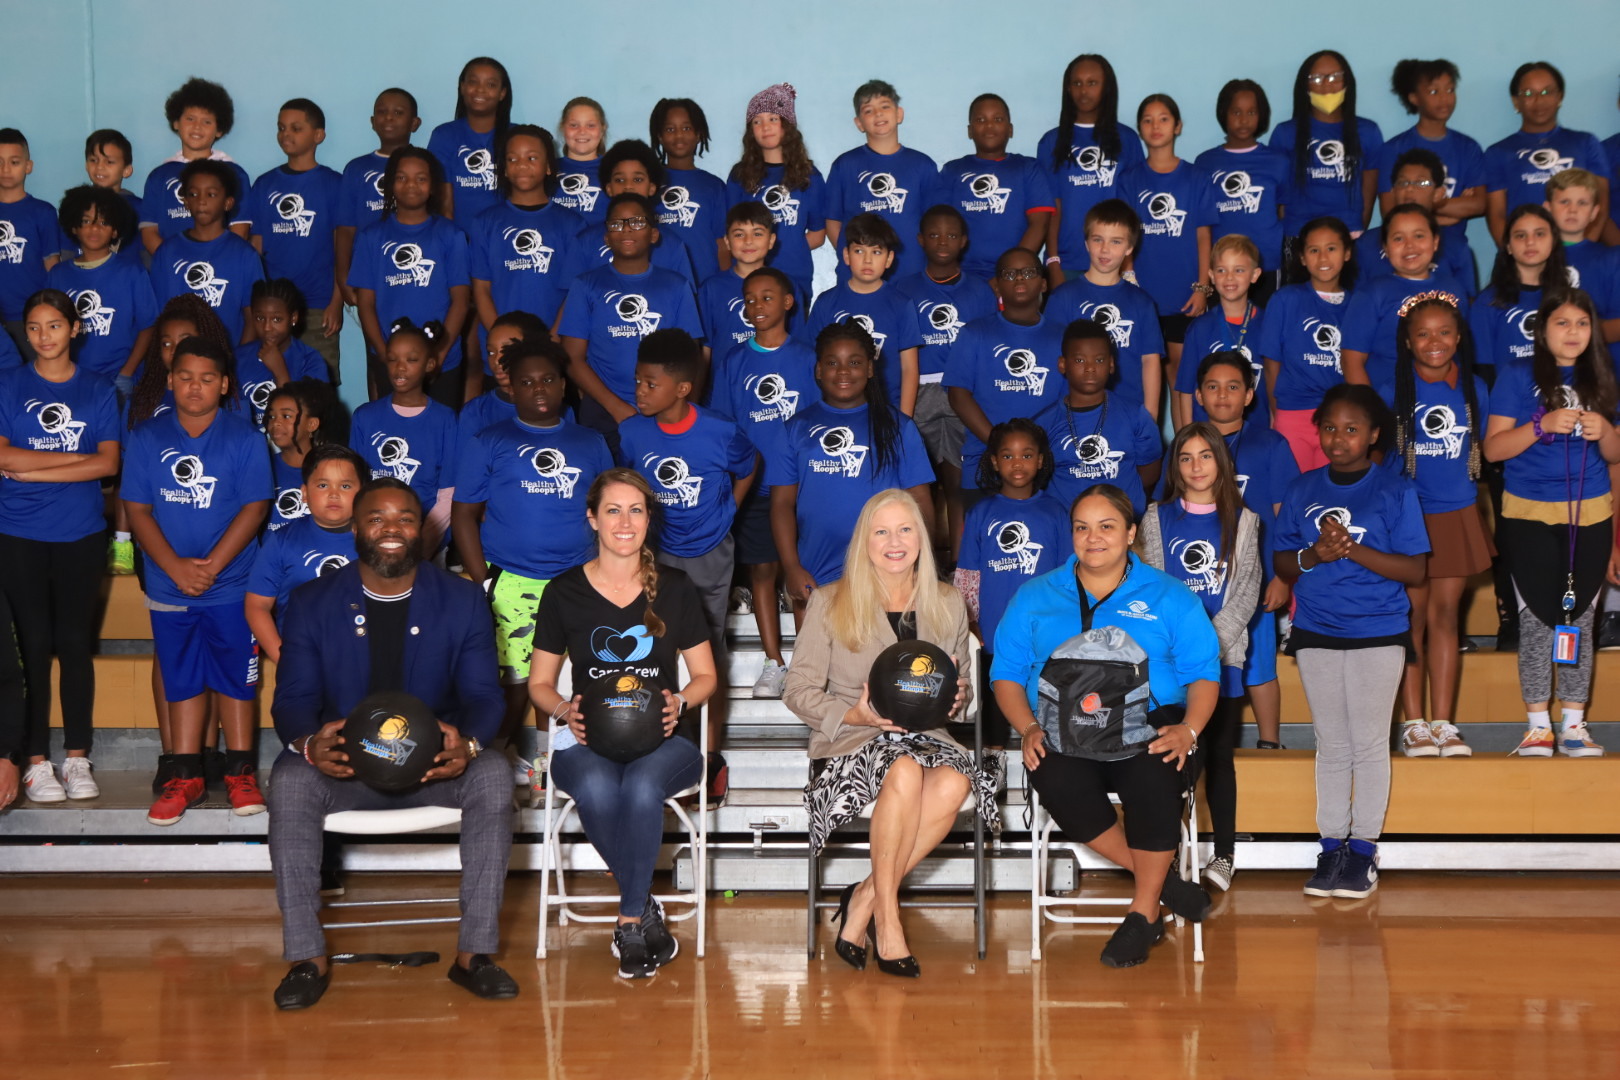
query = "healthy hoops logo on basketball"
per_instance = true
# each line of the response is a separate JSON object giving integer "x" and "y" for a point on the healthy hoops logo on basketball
{"x": 1164, "y": 218}
{"x": 394, "y": 452}
{"x": 1329, "y": 154}
{"x": 1012, "y": 538}
{"x": 679, "y": 207}
{"x": 93, "y": 315}
{"x": 1545, "y": 162}
{"x": 844, "y": 457}
{"x": 575, "y": 191}
{"x": 681, "y": 488}
{"x": 1241, "y": 193}
{"x": 1092, "y": 711}
{"x": 1205, "y": 572}
{"x": 1442, "y": 435}
{"x": 11, "y": 245}
{"x": 56, "y": 420}
{"x": 1319, "y": 513}
{"x": 629, "y": 692}
{"x": 290, "y": 504}
{"x": 781, "y": 203}
{"x": 323, "y": 563}
{"x": 1093, "y": 458}
{"x": 1325, "y": 337}
{"x": 295, "y": 216}
{"x": 887, "y": 194}
{"x": 637, "y": 319}
{"x": 942, "y": 322}
{"x": 1026, "y": 374}
{"x": 1112, "y": 320}
{"x": 373, "y": 180}
{"x": 201, "y": 279}
{"x": 1095, "y": 168}
{"x": 530, "y": 247}
{"x": 480, "y": 166}
{"x": 557, "y": 477}
{"x": 188, "y": 470}
{"x": 865, "y": 323}
{"x": 772, "y": 392}
{"x": 920, "y": 677}
{"x": 416, "y": 267}
{"x": 986, "y": 191}
{"x": 393, "y": 742}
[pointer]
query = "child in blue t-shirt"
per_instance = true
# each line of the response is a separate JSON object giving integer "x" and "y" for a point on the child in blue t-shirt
{"x": 1233, "y": 325}
{"x": 1502, "y": 320}
{"x": 277, "y": 356}
{"x": 1251, "y": 179}
{"x": 1427, "y": 89}
{"x": 1300, "y": 335}
{"x": 583, "y": 126}
{"x": 200, "y": 113}
{"x": 749, "y": 239}
{"x": 318, "y": 542}
{"x": 207, "y": 258}
{"x": 413, "y": 264}
{"x": 1519, "y": 166}
{"x": 112, "y": 294}
{"x": 839, "y": 452}
{"x": 408, "y": 435}
{"x": 1420, "y": 179}
{"x": 496, "y": 404}
{"x": 1350, "y": 538}
{"x": 109, "y": 160}
{"x": 31, "y": 240}
{"x": 693, "y": 203}
{"x": 394, "y": 119}
{"x": 1098, "y": 435}
{"x": 776, "y": 171}
{"x": 869, "y": 247}
{"x": 1007, "y": 197}
{"x": 1575, "y": 200}
{"x": 882, "y": 177}
{"x": 1085, "y": 152}
{"x": 1334, "y": 153}
{"x": 465, "y": 146}
{"x": 296, "y": 421}
{"x": 631, "y": 166}
{"x": 1411, "y": 238}
{"x": 196, "y": 487}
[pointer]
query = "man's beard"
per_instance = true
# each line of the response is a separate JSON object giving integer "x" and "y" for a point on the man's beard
{"x": 389, "y": 565}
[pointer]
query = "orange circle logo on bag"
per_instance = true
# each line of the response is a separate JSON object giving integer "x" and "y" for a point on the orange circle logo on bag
{"x": 1091, "y": 703}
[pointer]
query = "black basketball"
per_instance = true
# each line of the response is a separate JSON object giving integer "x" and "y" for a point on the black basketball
{"x": 624, "y": 716}
{"x": 391, "y": 739}
{"x": 913, "y": 685}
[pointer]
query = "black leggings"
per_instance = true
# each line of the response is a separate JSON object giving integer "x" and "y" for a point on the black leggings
{"x": 1075, "y": 792}
{"x": 54, "y": 589}
{"x": 1215, "y": 747}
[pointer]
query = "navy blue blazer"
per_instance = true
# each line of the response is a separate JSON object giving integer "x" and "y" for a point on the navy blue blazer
{"x": 449, "y": 663}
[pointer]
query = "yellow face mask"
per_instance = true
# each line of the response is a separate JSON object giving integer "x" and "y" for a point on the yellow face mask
{"x": 1327, "y": 103}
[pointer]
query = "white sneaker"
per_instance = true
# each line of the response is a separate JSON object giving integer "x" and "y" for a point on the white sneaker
{"x": 1450, "y": 741}
{"x": 1219, "y": 872}
{"x": 77, "y": 781}
{"x": 522, "y": 770}
{"x": 769, "y": 683}
{"x": 1575, "y": 741}
{"x": 1418, "y": 741}
{"x": 43, "y": 787}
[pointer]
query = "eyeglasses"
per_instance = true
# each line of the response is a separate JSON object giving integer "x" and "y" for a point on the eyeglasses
{"x": 1414, "y": 183}
{"x": 1545, "y": 91}
{"x": 629, "y": 224}
{"x": 1326, "y": 79}
{"x": 1026, "y": 273}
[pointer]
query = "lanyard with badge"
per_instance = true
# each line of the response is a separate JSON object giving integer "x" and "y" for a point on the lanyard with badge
{"x": 1567, "y": 639}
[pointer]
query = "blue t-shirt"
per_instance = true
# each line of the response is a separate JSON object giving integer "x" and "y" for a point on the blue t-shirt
{"x": 611, "y": 312}
{"x": 691, "y": 474}
{"x": 1249, "y": 187}
{"x": 828, "y": 453}
{"x": 1611, "y": 150}
{"x": 692, "y": 205}
{"x": 1301, "y": 333}
{"x": 221, "y": 271}
{"x": 1173, "y": 206}
{"x": 1373, "y": 313}
{"x": 1084, "y": 180}
{"x": 161, "y": 204}
{"x": 897, "y": 187}
{"x": 73, "y": 417}
{"x": 420, "y": 449}
{"x": 1211, "y": 333}
{"x": 762, "y": 389}
{"x": 9, "y": 356}
{"x": 288, "y": 503}
{"x": 996, "y": 196}
{"x": 299, "y": 553}
{"x": 1330, "y": 188}
{"x": 1567, "y": 468}
{"x": 1010, "y": 541}
{"x": 1104, "y": 444}
{"x": 294, "y": 215}
{"x": 1596, "y": 268}
{"x": 886, "y": 314}
{"x": 468, "y": 159}
{"x": 360, "y": 193}
{"x": 1504, "y": 335}
{"x": 1010, "y": 370}
{"x": 579, "y": 190}
{"x": 1126, "y": 312}
{"x": 195, "y": 487}
{"x": 1343, "y": 598}
{"x": 1465, "y": 168}
{"x": 115, "y": 303}
{"x": 1441, "y": 440}
{"x": 725, "y": 321}
{"x": 412, "y": 269}
{"x": 526, "y": 254}
{"x": 479, "y": 413}
{"x": 943, "y": 311}
{"x": 254, "y": 381}
{"x": 1265, "y": 468}
{"x": 1157, "y": 611}
{"x": 797, "y": 212}
{"x": 1522, "y": 163}
{"x": 1454, "y": 261}
{"x": 533, "y": 482}
{"x": 590, "y": 250}
{"x": 1191, "y": 548}
{"x": 29, "y": 234}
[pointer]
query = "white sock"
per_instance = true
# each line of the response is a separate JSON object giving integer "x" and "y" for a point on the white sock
{"x": 1573, "y": 718}
{"x": 1419, "y": 720}
{"x": 1541, "y": 719}
{"x": 121, "y": 537}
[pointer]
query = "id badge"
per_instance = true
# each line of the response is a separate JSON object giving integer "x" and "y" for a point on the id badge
{"x": 1566, "y": 645}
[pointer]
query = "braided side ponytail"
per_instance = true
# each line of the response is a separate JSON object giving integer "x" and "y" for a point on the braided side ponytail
{"x": 649, "y": 584}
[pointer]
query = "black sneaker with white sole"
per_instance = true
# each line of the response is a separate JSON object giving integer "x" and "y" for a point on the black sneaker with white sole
{"x": 1130, "y": 944}
{"x": 630, "y": 946}
{"x": 661, "y": 944}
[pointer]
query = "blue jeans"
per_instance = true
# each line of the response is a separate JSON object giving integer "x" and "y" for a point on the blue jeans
{"x": 622, "y": 807}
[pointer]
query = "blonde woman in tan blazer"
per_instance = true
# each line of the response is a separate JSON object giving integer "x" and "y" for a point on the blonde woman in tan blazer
{"x": 914, "y": 781}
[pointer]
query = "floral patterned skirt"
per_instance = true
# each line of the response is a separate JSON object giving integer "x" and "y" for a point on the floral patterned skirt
{"x": 847, "y": 784}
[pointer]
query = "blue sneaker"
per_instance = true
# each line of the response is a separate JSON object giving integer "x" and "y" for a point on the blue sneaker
{"x": 1329, "y": 865}
{"x": 1358, "y": 875}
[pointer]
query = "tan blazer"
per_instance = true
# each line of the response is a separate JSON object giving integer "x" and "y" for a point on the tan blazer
{"x": 825, "y": 678}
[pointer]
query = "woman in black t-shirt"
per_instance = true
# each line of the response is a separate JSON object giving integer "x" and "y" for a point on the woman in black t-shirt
{"x": 622, "y": 614}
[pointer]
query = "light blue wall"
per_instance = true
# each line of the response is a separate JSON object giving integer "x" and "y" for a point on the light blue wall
{"x": 73, "y": 65}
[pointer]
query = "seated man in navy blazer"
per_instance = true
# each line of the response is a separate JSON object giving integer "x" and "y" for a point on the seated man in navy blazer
{"x": 388, "y": 622}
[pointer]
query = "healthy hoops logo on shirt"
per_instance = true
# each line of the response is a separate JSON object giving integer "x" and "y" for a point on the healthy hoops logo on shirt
{"x": 373, "y": 180}
{"x": 11, "y": 245}
{"x": 1329, "y": 154}
{"x": 633, "y": 311}
{"x": 781, "y": 203}
{"x": 178, "y": 211}
{"x": 96, "y": 318}
{"x": 416, "y": 266}
{"x": 739, "y": 309}
{"x": 1242, "y": 194}
{"x": 1319, "y": 513}
{"x": 201, "y": 279}
{"x": 865, "y": 323}
{"x": 847, "y": 457}
{"x": 986, "y": 191}
{"x": 1110, "y": 318}
{"x": 576, "y": 191}
{"x": 530, "y": 248}
{"x": 480, "y": 166}
{"x": 258, "y": 398}
{"x": 290, "y": 504}
{"x": 1325, "y": 337}
{"x": 1442, "y": 435}
{"x": 557, "y": 477}
{"x": 772, "y": 392}
{"x": 1096, "y": 169}
{"x": 1524, "y": 319}
{"x": 681, "y": 488}
{"x": 188, "y": 470}
{"x": 887, "y": 194}
{"x": 1545, "y": 162}
{"x": 395, "y": 454}
{"x": 1094, "y": 459}
{"x": 681, "y": 209}
{"x": 295, "y": 216}
{"x": 1164, "y": 218}
{"x": 1027, "y": 376}
{"x": 1574, "y": 276}
{"x": 1205, "y": 572}
{"x": 942, "y": 321}
{"x": 324, "y": 564}
{"x": 56, "y": 420}
{"x": 1012, "y": 537}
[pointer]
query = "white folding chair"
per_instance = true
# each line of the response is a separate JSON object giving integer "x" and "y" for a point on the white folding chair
{"x": 559, "y": 805}
{"x": 389, "y": 823}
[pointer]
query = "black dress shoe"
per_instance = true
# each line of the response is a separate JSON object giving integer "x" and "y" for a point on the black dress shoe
{"x": 906, "y": 967}
{"x": 484, "y": 977}
{"x": 302, "y": 986}
{"x": 850, "y": 953}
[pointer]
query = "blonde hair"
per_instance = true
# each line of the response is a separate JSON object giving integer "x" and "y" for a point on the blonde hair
{"x": 601, "y": 118}
{"x": 1235, "y": 242}
{"x": 859, "y": 601}
{"x": 649, "y": 560}
{"x": 1568, "y": 178}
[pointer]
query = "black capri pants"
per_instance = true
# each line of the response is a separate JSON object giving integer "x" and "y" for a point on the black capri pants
{"x": 1075, "y": 791}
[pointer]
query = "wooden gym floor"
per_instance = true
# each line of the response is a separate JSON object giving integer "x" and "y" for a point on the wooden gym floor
{"x": 1435, "y": 976}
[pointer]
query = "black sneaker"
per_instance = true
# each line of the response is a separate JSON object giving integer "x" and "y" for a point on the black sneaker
{"x": 214, "y": 767}
{"x": 1507, "y": 636}
{"x": 630, "y": 946}
{"x": 1329, "y": 865}
{"x": 165, "y": 773}
{"x": 1267, "y": 744}
{"x": 661, "y": 944}
{"x": 1185, "y": 898}
{"x": 1130, "y": 944}
{"x": 1358, "y": 875}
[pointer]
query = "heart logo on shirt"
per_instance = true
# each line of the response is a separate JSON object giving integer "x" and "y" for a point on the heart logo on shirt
{"x": 615, "y": 648}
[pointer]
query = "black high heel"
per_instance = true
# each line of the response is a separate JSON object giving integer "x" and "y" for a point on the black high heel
{"x": 850, "y": 953}
{"x": 906, "y": 967}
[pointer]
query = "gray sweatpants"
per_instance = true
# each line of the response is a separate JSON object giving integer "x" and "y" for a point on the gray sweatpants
{"x": 1536, "y": 669}
{"x": 301, "y": 796}
{"x": 1352, "y": 697}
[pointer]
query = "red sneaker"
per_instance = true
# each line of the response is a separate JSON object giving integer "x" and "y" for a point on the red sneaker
{"x": 244, "y": 794}
{"x": 179, "y": 795}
